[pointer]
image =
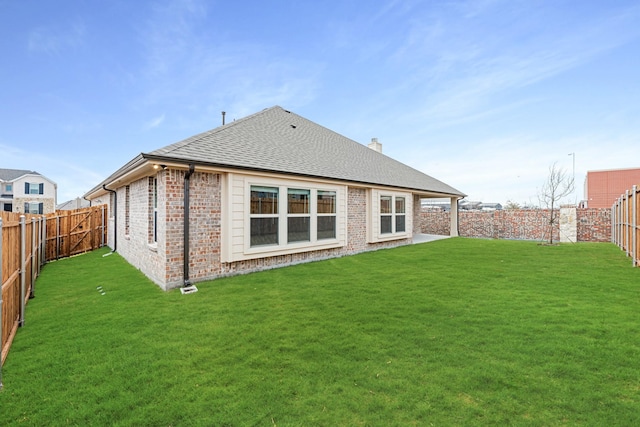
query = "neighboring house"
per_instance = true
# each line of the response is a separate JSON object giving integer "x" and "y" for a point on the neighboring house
{"x": 491, "y": 206}
{"x": 77, "y": 203}
{"x": 268, "y": 190}
{"x": 603, "y": 188}
{"x": 26, "y": 192}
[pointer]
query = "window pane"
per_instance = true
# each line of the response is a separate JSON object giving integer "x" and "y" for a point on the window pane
{"x": 298, "y": 229}
{"x": 326, "y": 227}
{"x": 385, "y": 204}
{"x": 399, "y": 205}
{"x": 264, "y": 200}
{"x": 400, "y": 227}
{"x": 385, "y": 224}
{"x": 34, "y": 208}
{"x": 326, "y": 202}
{"x": 298, "y": 201}
{"x": 264, "y": 231}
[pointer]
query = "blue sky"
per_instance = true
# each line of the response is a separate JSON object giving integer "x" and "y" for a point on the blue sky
{"x": 484, "y": 95}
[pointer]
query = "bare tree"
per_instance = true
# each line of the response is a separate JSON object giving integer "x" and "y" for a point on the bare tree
{"x": 511, "y": 205}
{"x": 559, "y": 184}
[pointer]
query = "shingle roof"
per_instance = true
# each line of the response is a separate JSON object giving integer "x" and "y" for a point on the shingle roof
{"x": 278, "y": 140}
{"x": 11, "y": 174}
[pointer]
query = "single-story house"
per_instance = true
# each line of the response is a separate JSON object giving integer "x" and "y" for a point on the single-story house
{"x": 267, "y": 190}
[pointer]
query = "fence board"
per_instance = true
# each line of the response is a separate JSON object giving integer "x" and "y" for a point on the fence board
{"x": 53, "y": 236}
{"x": 625, "y": 214}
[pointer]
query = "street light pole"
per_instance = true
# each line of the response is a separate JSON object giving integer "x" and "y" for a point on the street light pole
{"x": 573, "y": 155}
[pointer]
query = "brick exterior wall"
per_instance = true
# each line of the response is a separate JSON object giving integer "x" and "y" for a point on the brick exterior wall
{"x": 594, "y": 225}
{"x": 204, "y": 230}
{"x": 356, "y": 220}
{"x": 135, "y": 246}
{"x": 162, "y": 261}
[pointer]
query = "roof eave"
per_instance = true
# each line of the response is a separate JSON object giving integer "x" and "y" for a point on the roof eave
{"x": 177, "y": 161}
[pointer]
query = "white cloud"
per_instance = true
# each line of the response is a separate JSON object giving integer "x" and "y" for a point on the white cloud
{"x": 155, "y": 122}
{"x": 197, "y": 75}
{"x": 53, "y": 40}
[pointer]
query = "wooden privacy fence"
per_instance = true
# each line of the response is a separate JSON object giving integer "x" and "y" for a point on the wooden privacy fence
{"x": 26, "y": 243}
{"x": 625, "y": 223}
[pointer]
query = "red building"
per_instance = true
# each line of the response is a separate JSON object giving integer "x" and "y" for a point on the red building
{"x": 602, "y": 188}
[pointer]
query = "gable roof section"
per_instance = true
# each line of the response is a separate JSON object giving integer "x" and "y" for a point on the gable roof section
{"x": 13, "y": 174}
{"x": 277, "y": 140}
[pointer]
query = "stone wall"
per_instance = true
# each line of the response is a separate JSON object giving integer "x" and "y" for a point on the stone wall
{"x": 593, "y": 225}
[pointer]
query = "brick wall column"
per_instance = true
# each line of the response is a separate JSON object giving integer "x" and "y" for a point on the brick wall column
{"x": 454, "y": 217}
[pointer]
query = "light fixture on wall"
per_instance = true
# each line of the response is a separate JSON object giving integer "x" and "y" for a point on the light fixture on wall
{"x": 156, "y": 167}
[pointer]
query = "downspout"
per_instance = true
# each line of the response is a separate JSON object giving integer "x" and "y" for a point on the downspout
{"x": 187, "y": 181}
{"x": 115, "y": 217}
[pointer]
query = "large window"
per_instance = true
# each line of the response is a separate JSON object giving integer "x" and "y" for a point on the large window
{"x": 264, "y": 216}
{"x": 286, "y": 215}
{"x": 298, "y": 218}
{"x": 326, "y": 214}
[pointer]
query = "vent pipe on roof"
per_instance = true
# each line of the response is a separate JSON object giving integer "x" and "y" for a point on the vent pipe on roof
{"x": 375, "y": 145}
{"x": 223, "y": 114}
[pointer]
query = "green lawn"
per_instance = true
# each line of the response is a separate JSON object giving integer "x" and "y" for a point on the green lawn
{"x": 454, "y": 332}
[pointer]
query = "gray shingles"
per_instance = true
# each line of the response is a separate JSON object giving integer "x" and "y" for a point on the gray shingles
{"x": 280, "y": 141}
{"x": 11, "y": 174}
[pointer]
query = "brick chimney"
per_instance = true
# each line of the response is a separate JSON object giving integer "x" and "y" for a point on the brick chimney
{"x": 375, "y": 145}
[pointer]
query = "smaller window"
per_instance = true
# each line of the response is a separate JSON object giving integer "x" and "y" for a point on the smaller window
{"x": 385, "y": 215}
{"x": 127, "y": 192}
{"x": 33, "y": 208}
{"x": 8, "y": 188}
{"x": 400, "y": 217}
{"x": 33, "y": 188}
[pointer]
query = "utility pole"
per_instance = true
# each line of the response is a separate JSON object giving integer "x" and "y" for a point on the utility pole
{"x": 575, "y": 195}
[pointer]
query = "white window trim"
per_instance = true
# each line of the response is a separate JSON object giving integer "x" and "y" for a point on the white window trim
{"x": 374, "y": 233}
{"x": 284, "y": 248}
{"x": 283, "y": 215}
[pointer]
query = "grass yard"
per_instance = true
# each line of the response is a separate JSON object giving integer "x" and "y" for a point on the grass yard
{"x": 455, "y": 332}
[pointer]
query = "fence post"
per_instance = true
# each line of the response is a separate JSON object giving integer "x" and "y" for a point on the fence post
{"x": 614, "y": 222}
{"x": 43, "y": 242}
{"x": 23, "y": 290}
{"x": 57, "y": 236}
{"x": 102, "y": 209}
{"x": 1, "y": 342}
{"x": 33, "y": 259}
{"x": 632, "y": 227}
